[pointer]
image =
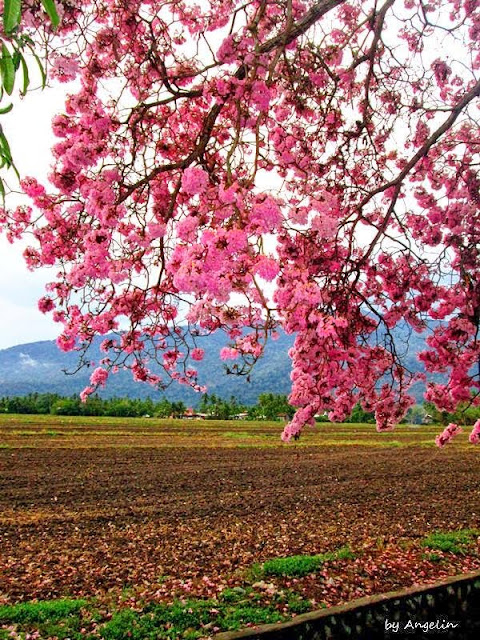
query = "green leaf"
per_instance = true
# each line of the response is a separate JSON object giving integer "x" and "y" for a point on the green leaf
{"x": 5, "y": 149}
{"x": 8, "y": 70}
{"x": 11, "y": 14}
{"x": 26, "y": 39}
{"x": 51, "y": 10}
{"x": 6, "y": 154}
{"x": 40, "y": 66}
{"x": 6, "y": 109}
{"x": 26, "y": 77}
{"x": 16, "y": 59}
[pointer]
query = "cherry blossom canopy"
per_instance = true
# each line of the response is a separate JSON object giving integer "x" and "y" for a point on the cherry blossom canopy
{"x": 244, "y": 166}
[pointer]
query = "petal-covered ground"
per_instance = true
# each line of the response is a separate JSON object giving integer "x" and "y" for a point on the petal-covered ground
{"x": 138, "y": 511}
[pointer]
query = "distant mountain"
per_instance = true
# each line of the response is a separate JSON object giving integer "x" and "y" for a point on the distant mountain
{"x": 39, "y": 367}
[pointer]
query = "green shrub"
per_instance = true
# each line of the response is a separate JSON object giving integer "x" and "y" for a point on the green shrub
{"x": 297, "y": 604}
{"x": 237, "y": 617}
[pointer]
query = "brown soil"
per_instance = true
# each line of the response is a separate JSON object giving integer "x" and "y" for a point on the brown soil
{"x": 81, "y": 521}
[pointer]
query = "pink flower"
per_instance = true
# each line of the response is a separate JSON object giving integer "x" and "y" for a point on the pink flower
{"x": 139, "y": 373}
{"x": 226, "y": 52}
{"x": 266, "y": 215}
{"x": 45, "y": 304}
{"x": 267, "y": 268}
{"x": 227, "y": 196}
{"x": 99, "y": 377}
{"x": 32, "y": 188}
{"x": 194, "y": 180}
{"x": 66, "y": 342}
{"x": 187, "y": 228}
{"x": 325, "y": 225}
{"x": 65, "y": 68}
{"x": 85, "y": 393}
{"x": 227, "y": 353}
{"x": 197, "y": 354}
{"x": 157, "y": 230}
{"x": 447, "y": 434}
{"x": 261, "y": 95}
{"x": 441, "y": 71}
{"x": 474, "y": 437}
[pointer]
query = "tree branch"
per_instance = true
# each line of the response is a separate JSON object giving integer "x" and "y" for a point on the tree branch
{"x": 421, "y": 153}
{"x": 282, "y": 39}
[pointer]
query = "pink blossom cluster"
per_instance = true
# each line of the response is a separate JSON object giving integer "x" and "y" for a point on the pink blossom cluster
{"x": 99, "y": 377}
{"x": 448, "y": 434}
{"x": 228, "y": 353}
{"x": 261, "y": 95}
{"x": 474, "y": 436}
{"x": 194, "y": 180}
{"x": 265, "y": 216}
{"x": 65, "y": 68}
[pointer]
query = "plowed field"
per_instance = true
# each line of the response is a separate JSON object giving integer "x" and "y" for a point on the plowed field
{"x": 93, "y": 507}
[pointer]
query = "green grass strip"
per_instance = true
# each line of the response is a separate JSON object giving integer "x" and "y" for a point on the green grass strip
{"x": 187, "y": 619}
{"x": 451, "y": 541}
{"x": 38, "y": 612}
{"x": 295, "y": 566}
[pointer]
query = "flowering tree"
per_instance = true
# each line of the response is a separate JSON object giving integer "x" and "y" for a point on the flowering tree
{"x": 241, "y": 166}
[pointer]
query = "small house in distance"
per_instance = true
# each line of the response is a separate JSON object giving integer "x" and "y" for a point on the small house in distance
{"x": 191, "y": 414}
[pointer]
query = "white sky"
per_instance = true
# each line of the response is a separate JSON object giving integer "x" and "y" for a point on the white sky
{"x": 28, "y": 131}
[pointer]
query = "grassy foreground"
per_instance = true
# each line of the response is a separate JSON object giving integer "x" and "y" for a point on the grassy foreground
{"x": 256, "y": 602}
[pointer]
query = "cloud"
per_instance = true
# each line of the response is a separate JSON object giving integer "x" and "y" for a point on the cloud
{"x": 28, "y": 361}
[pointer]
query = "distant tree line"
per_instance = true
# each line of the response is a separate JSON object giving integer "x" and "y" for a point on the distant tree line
{"x": 465, "y": 414}
{"x": 419, "y": 414}
{"x": 270, "y": 406}
{"x": 52, "y": 403}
